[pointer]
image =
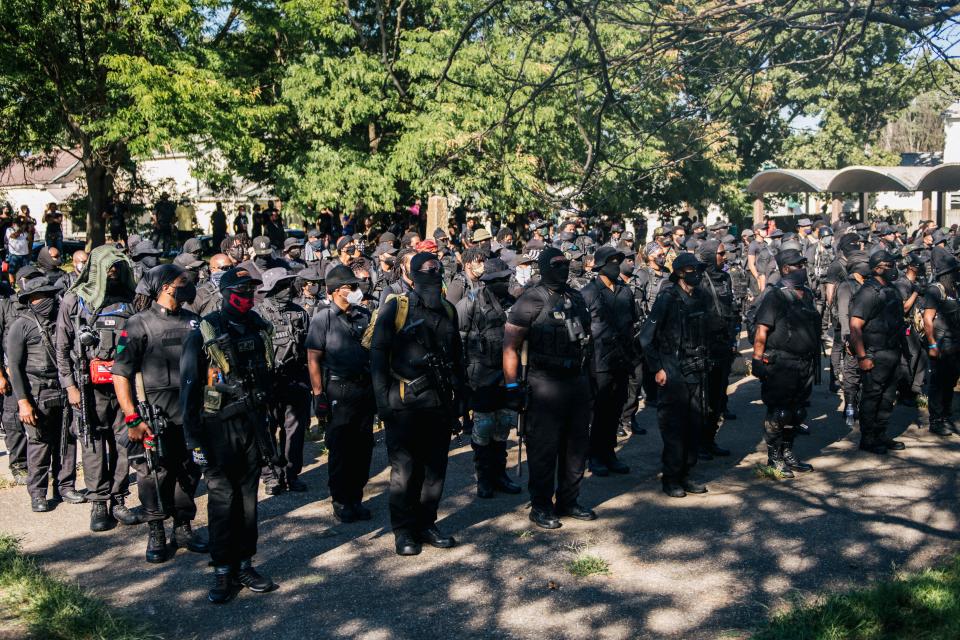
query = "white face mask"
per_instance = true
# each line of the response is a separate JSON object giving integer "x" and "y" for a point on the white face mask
{"x": 355, "y": 296}
{"x": 523, "y": 276}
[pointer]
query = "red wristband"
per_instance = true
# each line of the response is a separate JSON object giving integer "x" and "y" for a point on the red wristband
{"x": 132, "y": 420}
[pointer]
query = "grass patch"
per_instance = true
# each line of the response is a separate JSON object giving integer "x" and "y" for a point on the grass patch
{"x": 53, "y": 609}
{"x": 6, "y": 483}
{"x": 587, "y": 564}
{"x": 909, "y": 605}
{"x": 766, "y": 471}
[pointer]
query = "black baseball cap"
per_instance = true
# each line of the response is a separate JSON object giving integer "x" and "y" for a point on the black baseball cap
{"x": 339, "y": 276}
{"x": 236, "y": 277}
{"x": 262, "y": 246}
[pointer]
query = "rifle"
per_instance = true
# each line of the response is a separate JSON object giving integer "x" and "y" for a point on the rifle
{"x": 521, "y": 415}
{"x": 81, "y": 374}
{"x": 153, "y": 445}
{"x": 440, "y": 372}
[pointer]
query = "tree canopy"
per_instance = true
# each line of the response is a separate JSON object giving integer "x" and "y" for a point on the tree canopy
{"x": 362, "y": 105}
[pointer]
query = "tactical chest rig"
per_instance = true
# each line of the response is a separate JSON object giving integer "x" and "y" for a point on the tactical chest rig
{"x": 229, "y": 391}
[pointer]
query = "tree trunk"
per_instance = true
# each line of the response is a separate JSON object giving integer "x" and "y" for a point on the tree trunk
{"x": 99, "y": 190}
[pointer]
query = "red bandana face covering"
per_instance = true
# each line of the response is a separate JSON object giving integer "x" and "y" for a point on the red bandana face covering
{"x": 242, "y": 304}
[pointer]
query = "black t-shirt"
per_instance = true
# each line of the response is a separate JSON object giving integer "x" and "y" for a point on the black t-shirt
{"x": 881, "y": 308}
{"x": 337, "y": 334}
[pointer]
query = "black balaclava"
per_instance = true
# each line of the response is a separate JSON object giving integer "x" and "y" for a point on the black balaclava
{"x": 428, "y": 285}
{"x": 46, "y": 262}
{"x": 611, "y": 269}
{"x": 115, "y": 285}
{"x": 707, "y": 254}
{"x": 553, "y": 277}
{"x": 149, "y": 262}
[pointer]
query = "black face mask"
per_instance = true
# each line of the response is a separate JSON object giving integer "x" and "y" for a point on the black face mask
{"x": 282, "y": 295}
{"x": 693, "y": 278}
{"x": 429, "y": 286}
{"x": 795, "y": 279}
{"x": 185, "y": 294}
{"x": 294, "y": 254}
{"x": 626, "y": 268}
{"x": 149, "y": 262}
{"x": 576, "y": 267}
{"x": 313, "y": 290}
{"x": 890, "y": 275}
{"x": 555, "y": 276}
{"x": 610, "y": 270}
{"x": 45, "y": 307}
{"x": 237, "y": 254}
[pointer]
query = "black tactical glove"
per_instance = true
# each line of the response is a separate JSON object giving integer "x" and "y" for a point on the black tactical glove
{"x": 321, "y": 407}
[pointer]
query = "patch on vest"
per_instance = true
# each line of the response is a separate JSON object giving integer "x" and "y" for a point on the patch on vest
{"x": 246, "y": 345}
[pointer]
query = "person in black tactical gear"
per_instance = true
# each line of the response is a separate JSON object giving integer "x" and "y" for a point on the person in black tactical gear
{"x": 289, "y": 395}
{"x": 208, "y": 298}
{"x": 15, "y": 438}
{"x": 419, "y": 382}
{"x": 482, "y": 315}
{"x": 673, "y": 341}
{"x": 146, "y": 376}
{"x": 224, "y": 369}
{"x": 913, "y": 364}
{"x": 859, "y": 270}
{"x": 91, "y": 321}
{"x": 554, "y": 321}
{"x": 49, "y": 262}
{"x": 723, "y": 333}
{"x": 402, "y": 284}
{"x": 145, "y": 256}
{"x": 629, "y": 276}
{"x": 263, "y": 258}
{"x": 309, "y": 289}
{"x": 613, "y": 316}
{"x": 786, "y": 349}
{"x": 941, "y": 324}
{"x": 293, "y": 254}
{"x": 876, "y": 338}
{"x": 652, "y": 276}
{"x": 343, "y": 399}
{"x": 33, "y": 376}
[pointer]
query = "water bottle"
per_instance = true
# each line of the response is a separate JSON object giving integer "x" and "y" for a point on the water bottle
{"x": 850, "y": 415}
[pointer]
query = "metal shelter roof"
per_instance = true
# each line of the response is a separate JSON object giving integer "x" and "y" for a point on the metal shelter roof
{"x": 857, "y": 179}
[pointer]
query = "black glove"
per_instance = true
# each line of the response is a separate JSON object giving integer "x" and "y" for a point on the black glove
{"x": 516, "y": 397}
{"x": 321, "y": 407}
{"x": 759, "y": 368}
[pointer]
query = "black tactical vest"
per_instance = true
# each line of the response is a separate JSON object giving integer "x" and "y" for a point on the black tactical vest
{"x": 946, "y": 324}
{"x": 484, "y": 344}
{"x": 165, "y": 334}
{"x": 41, "y": 366}
{"x": 108, "y": 323}
{"x": 799, "y": 331}
{"x": 290, "y": 326}
{"x": 550, "y": 345}
{"x": 886, "y": 329}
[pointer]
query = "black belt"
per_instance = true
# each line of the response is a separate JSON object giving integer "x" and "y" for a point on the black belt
{"x": 358, "y": 379}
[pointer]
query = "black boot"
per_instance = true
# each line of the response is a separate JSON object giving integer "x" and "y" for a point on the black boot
{"x": 794, "y": 463}
{"x": 941, "y": 428}
{"x": 100, "y": 518}
{"x": 124, "y": 515}
{"x": 498, "y": 469}
{"x": 184, "y": 537}
{"x": 156, "y": 543}
{"x": 224, "y": 588}
{"x": 250, "y": 578}
{"x": 775, "y": 460}
{"x": 481, "y": 462}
